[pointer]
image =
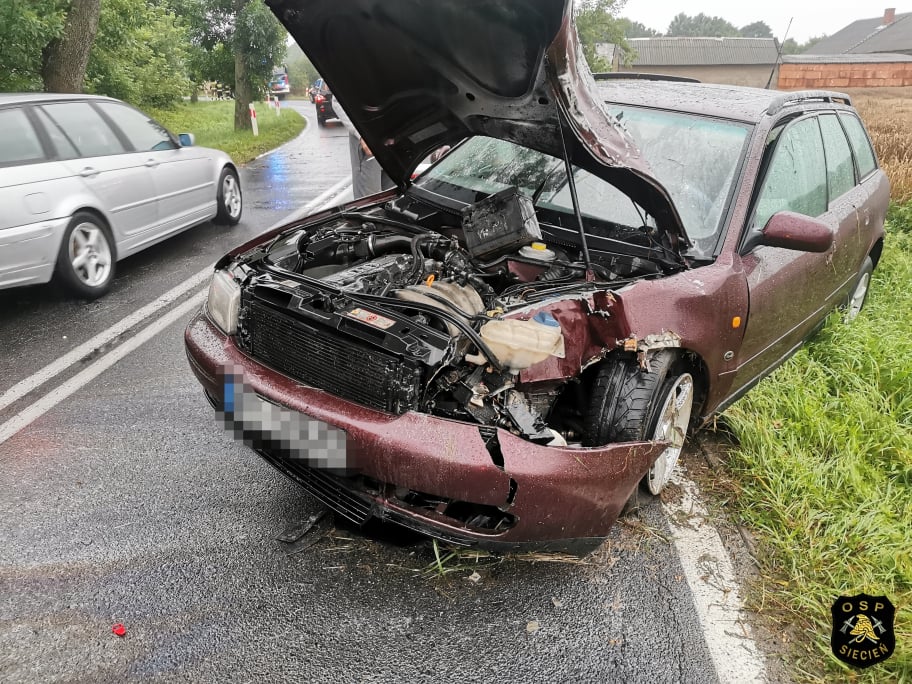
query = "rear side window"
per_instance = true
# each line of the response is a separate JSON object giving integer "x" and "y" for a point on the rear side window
{"x": 85, "y": 128}
{"x": 840, "y": 169}
{"x": 796, "y": 178}
{"x": 860, "y": 144}
{"x": 18, "y": 141}
{"x": 61, "y": 142}
{"x": 144, "y": 134}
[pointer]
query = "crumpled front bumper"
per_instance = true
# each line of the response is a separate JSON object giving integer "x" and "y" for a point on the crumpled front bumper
{"x": 554, "y": 497}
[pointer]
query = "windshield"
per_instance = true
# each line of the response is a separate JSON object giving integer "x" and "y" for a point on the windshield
{"x": 695, "y": 158}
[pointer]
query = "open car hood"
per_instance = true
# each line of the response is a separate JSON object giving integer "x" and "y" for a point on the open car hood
{"x": 413, "y": 75}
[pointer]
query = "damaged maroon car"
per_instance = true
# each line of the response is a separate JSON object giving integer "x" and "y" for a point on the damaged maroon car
{"x": 503, "y": 351}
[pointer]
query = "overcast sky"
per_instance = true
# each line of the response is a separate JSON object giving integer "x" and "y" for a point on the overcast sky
{"x": 812, "y": 17}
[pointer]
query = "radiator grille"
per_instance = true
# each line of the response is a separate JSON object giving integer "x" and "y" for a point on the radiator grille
{"x": 326, "y": 359}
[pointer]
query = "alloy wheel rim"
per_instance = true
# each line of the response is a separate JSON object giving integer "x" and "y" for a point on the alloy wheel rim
{"x": 231, "y": 196}
{"x": 858, "y": 296}
{"x": 90, "y": 254}
{"x": 672, "y": 427}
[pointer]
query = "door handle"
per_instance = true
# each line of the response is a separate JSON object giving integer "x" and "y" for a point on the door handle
{"x": 88, "y": 172}
{"x": 151, "y": 163}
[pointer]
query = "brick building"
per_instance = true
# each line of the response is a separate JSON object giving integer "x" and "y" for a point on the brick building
{"x": 868, "y": 53}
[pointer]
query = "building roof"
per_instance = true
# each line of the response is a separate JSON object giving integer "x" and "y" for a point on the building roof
{"x": 851, "y": 58}
{"x": 703, "y": 51}
{"x": 867, "y": 36}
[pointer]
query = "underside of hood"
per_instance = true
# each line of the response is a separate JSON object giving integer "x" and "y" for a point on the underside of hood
{"x": 413, "y": 75}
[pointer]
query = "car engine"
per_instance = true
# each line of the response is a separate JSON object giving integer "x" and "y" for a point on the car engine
{"x": 399, "y": 316}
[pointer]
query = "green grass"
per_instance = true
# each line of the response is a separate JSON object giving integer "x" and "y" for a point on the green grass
{"x": 823, "y": 469}
{"x": 212, "y": 123}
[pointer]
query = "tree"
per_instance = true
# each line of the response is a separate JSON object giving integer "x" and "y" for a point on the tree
{"x": 235, "y": 41}
{"x": 792, "y": 47}
{"x": 597, "y": 23}
{"x": 140, "y": 54}
{"x": 301, "y": 72}
{"x": 65, "y": 58}
{"x": 758, "y": 29}
{"x": 634, "y": 29}
{"x": 26, "y": 26}
{"x": 701, "y": 25}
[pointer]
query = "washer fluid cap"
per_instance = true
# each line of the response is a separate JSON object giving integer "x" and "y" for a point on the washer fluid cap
{"x": 538, "y": 251}
{"x": 545, "y": 318}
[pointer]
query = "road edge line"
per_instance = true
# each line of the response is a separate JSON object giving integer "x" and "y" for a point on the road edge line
{"x": 714, "y": 588}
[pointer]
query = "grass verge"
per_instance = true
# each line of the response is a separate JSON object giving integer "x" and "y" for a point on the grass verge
{"x": 823, "y": 469}
{"x": 212, "y": 123}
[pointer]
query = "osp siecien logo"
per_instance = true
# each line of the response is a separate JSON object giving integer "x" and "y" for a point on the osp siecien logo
{"x": 863, "y": 629}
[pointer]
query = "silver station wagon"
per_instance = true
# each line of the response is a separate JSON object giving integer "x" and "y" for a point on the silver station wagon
{"x": 88, "y": 180}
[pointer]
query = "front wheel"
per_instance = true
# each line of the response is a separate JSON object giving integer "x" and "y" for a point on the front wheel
{"x": 229, "y": 198}
{"x": 629, "y": 404}
{"x": 85, "y": 261}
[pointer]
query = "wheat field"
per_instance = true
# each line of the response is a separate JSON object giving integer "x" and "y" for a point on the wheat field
{"x": 887, "y": 113}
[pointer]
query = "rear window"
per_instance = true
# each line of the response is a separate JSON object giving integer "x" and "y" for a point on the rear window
{"x": 860, "y": 144}
{"x": 18, "y": 141}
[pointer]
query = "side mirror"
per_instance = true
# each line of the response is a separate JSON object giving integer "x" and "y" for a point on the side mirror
{"x": 789, "y": 230}
{"x": 186, "y": 139}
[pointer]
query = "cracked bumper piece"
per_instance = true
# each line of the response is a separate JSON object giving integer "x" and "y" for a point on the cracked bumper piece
{"x": 466, "y": 484}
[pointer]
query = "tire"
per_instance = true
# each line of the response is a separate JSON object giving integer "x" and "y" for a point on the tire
{"x": 629, "y": 404}
{"x": 859, "y": 295}
{"x": 229, "y": 198}
{"x": 87, "y": 256}
{"x": 321, "y": 122}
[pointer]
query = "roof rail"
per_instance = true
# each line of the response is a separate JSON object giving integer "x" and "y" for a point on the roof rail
{"x": 790, "y": 99}
{"x": 638, "y": 76}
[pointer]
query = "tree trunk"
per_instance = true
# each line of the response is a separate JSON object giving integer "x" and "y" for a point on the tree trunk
{"x": 242, "y": 94}
{"x": 64, "y": 59}
{"x": 194, "y": 94}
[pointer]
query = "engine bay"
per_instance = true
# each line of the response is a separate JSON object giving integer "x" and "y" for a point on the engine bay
{"x": 462, "y": 308}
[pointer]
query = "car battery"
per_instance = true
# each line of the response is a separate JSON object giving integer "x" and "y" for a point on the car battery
{"x": 500, "y": 224}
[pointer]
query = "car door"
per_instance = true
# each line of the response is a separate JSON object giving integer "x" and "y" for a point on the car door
{"x": 118, "y": 177}
{"x": 871, "y": 195}
{"x": 790, "y": 291}
{"x": 29, "y": 182}
{"x": 185, "y": 177}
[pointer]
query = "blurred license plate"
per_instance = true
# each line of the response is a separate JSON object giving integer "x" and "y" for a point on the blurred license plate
{"x": 263, "y": 425}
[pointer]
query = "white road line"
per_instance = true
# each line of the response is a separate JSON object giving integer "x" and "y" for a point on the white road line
{"x": 58, "y": 366}
{"x": 85, "y": 376}
{"x": 321, "y": 201}
{"x": 715, "y": 589}
{"x": 34, "y": 381}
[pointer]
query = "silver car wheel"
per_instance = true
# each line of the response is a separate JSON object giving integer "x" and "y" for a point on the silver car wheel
{"x": 672, "y": 427}
{"x": 231, "y": 196}
{"x": 90, "y": 254}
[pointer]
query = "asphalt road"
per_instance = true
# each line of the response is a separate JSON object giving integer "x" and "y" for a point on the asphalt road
{"x": 126, "y": 503}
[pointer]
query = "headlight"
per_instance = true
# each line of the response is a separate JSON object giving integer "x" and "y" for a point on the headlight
{"x": 224, "y": 302}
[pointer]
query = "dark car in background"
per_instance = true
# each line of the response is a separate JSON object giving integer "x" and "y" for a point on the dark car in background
{"x": 502, "y": 352}
{"x": 322, "y": 97}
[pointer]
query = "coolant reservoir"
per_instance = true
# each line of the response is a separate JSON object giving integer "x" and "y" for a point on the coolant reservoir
{"x": 538, "y": 251}
{"x": 520, "y": 344}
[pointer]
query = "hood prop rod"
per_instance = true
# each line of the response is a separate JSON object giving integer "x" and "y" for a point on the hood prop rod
{"x": 574, "y": 198}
